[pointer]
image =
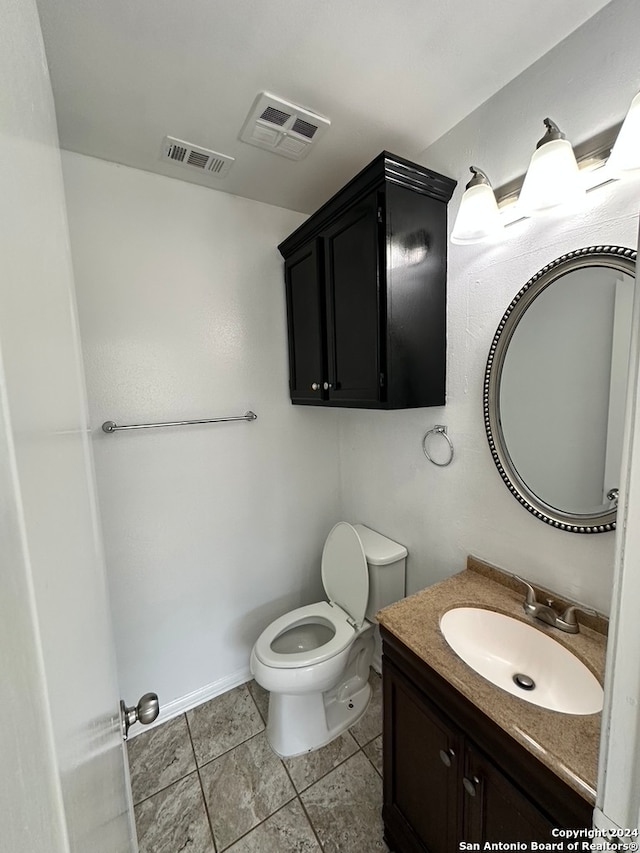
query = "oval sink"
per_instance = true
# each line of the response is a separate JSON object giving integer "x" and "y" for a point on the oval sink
{"x": 522, "y": 660}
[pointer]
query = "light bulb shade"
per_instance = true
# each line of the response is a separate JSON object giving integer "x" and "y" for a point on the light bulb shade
{"x": 552, "y": 179}
{"x": 478, "y": 216}
{"x": 625, "y": 154}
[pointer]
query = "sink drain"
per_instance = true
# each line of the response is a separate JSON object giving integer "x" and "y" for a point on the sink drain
{"x": 523, "y": 681}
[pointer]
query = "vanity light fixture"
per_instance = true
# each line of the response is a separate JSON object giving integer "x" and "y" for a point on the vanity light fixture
{"x": 553, "y": 177}
{"x": 609, "y": 155}
{"x": 625, "y": 154}
{"x": 478, "y": 215}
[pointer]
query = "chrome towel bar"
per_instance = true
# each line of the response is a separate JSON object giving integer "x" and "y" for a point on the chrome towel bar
{"x": 111, "y": 426}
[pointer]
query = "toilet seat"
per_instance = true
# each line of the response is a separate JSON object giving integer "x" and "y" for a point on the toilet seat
{"x": 345, "y": 575}
{"x": 323, "y": 613}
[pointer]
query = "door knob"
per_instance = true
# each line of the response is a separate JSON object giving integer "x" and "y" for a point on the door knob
{"x": 145, "y": 712}
{"x": 315, "y": 386}
{"x": 327, "y": 386}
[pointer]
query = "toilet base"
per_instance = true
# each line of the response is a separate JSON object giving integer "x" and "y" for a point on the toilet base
{"x": 303, "y": 722}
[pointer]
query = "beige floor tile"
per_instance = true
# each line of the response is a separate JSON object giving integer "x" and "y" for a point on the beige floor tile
{"x": 345, "y": 808}
{"x": 260, "y": 697}
{"x": 373, "y": 751}
{"x": 223, "y": 723}
{"x": 287, "y": 831}
{"x": 243, "y": 787}
{"x": 159, "y": 757}
{"x": 175, "y": 820}
{"x": 308, "y": 768}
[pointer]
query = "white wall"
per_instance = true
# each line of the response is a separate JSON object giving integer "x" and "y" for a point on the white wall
{"x": 211, "y": 531}
{"x": 441, "y": 514}
{"x": 63, "y": 782}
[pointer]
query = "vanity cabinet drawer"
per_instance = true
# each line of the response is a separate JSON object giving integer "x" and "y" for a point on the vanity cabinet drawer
{"x": 451, "y": 775}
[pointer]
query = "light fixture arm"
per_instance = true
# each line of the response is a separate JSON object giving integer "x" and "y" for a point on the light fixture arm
{"x": 478, "y": 178}
{"x": 553, "y": 132}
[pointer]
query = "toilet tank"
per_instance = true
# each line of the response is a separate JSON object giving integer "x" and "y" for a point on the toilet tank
{"x": 387, "y": 563}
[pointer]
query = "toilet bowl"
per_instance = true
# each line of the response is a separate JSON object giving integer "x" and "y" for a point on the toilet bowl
{"x": 315, "y": 660}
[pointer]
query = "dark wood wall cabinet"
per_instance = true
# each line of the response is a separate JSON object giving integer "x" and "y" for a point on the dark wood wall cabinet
{"x": 452, "y": 777}
{"x": 366, "y": 292}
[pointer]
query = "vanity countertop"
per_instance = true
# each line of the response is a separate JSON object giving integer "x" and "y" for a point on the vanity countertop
{"x": 567, "y": 744}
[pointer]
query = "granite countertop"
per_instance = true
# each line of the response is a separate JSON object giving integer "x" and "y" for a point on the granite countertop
{"x": 566, "y": 743}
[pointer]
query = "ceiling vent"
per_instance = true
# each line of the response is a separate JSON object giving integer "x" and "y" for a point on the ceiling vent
{"x": 281, "y": 127}
{"x": 185, "y": 154}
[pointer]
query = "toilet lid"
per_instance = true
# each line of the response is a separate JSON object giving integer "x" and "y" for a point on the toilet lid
{"x": 345, "y": 575}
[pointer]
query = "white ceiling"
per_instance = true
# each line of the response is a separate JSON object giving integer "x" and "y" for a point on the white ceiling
{"x": 391, "y": 75}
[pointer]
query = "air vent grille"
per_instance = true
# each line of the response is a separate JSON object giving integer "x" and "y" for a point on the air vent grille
{"x": 304, "y": 128}
{"x": 282, "y": 127}
{"x": 195, "y": 157}
{"x": 275, "y": 116}
{"x": 177, "y": 152}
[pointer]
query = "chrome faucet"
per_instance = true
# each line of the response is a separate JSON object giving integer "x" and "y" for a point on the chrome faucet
{"x": 565, "y": 621}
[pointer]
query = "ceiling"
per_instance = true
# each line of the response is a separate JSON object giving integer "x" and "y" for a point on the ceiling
{"x": 389, "y": 75}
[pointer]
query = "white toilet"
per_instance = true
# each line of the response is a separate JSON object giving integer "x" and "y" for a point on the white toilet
{"x": 315, "y": 660}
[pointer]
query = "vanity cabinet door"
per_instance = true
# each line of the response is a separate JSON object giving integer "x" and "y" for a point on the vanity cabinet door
{"x": 306, "y": 321}
{"x": 422, "y": 772}
{"x": 495, "y": 809}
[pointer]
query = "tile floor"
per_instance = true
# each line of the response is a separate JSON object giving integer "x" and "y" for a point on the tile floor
{"x": 207, "y": 782}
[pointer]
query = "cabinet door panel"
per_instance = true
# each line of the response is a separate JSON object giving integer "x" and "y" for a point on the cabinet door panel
{"x": 422, "y": 785}
{"x": 306, "y": 321}
{"x": 352, "y": 269}
{"x": 498, "y": 810}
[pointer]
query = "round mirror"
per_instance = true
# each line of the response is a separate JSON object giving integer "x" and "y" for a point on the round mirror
{"x": 555, "y": 388}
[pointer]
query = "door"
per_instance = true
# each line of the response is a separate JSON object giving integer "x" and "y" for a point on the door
{"x": 495, "y": 810}
{"x": 352, "y": 269}
{"x": 422, "y": 783}
{"x": 618, "y": 798}
{"x": 306, "y": 324}
{"x": 65, "y": 787}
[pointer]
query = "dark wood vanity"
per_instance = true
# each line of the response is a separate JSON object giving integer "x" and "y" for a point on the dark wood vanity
{"x": 464, "y": 762}
{"x": 365, "y": 284}
{"x": 451, "y": 775}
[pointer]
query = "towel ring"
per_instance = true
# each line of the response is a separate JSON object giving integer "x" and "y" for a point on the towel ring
{"x": 438, "y": 429}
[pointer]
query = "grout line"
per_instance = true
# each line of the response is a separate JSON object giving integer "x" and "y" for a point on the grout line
{"x": 264, "y": 820}
{"x": 200, "y": 764}
{"x": 206, "y": 810}
{"x": 166, "y": 788}
{"x": 256, "y": 703}
{"x": 313, "y": 829}
{"x": 204, "y": 797}
{"x": 227, "y": 751}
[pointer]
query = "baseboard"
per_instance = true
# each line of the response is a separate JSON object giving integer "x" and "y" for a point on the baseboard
{"x": 170, "y": 710}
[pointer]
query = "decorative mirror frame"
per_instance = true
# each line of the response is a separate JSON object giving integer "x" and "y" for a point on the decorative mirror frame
{"x": 614, "y": 257}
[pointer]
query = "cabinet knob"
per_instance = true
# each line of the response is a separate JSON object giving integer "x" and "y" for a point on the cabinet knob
{"x": 315, "y": 386}
{"x": 446, "y": 757}
{"x": 328, "y": 386}
{"x": 470, "y": 785}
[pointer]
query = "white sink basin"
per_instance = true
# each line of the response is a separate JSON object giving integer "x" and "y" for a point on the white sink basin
{"x": 501, "y": 648}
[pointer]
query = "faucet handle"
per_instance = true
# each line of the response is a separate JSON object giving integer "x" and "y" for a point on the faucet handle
{"x": 531, "y": 593}
{"x": 569, "y": 615}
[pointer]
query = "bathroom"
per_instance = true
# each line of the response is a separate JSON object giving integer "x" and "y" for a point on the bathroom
{"x": 211, "y": 533}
